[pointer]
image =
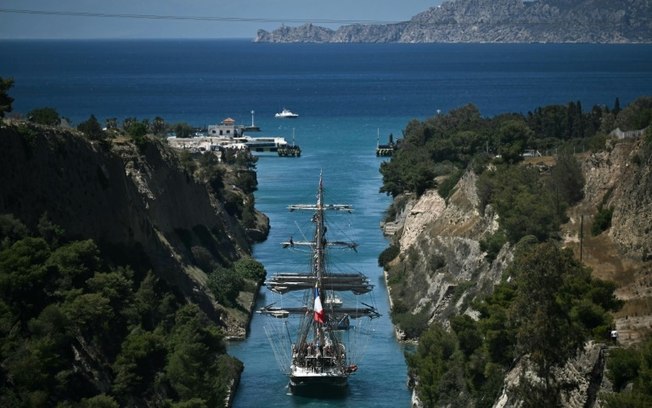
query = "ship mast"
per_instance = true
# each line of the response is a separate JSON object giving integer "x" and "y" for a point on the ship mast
{"x": 319, "y": 252}
{"x": 319, "y": 234}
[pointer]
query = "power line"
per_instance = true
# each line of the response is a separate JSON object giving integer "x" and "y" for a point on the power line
{"x": 190, "y": 18}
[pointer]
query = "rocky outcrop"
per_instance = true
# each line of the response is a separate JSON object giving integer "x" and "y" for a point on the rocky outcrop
{"x": 439, "y": 245}
{"x": 581, "y": 379}
{"x": 305, "y": 33}
{"x": 122, "y": 197}
{"x": 501, "y": 21}
{"x": 616, "y": 178}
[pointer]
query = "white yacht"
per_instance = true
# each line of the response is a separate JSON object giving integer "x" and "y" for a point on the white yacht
{"x": 286, "y": 114}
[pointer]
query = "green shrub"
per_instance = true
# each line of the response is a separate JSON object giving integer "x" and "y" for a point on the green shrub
{"x": 467, "y": 332}
{"x": 630, "y": 370}
{"x": 602, "y": 220}
{"x": 445, "y": 189}
{"x": 436, "y": 365}
{"x": 479, "y": 162}
{"x": 396, "y": 276}
{"x": 249, "y": 268}
{"x": 44, "y": 116}
{"x": 388, "y": 255}
{"x": 91, "y": 128}
{"x": 622, "y": 367}
{"x": 492, "y": 244}
{"x": 411, "y": 324}
{"x": 567, "y": 178}
{"x": 150, "y": 347}
{"x": 247, "y": 181}
{"x": 226, "y": 285}
{"x": 5, "y": 99}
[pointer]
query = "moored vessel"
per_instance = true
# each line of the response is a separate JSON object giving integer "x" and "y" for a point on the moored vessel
{"x": 286, "y": 114}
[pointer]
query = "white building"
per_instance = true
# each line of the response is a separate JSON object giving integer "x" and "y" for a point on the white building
{"x": 225, "y": 129}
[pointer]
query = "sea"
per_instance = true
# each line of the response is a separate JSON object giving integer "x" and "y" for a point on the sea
{"x": 349, "y": 97}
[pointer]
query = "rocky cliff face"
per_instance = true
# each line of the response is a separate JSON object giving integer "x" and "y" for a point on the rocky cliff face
{"x": 509, "y": 21}
{"x": 440, "y": 250}
{"x": 619, "y": 178}
{"x": 441, "y": 257}
{"x": 121, "y": 197}
{"x": 581, "y": 378}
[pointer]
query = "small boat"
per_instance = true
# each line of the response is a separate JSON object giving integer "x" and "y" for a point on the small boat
{"x": 286, "y": 114}
{"x": 333, "y": 301}
{"x": 280, "y": 313}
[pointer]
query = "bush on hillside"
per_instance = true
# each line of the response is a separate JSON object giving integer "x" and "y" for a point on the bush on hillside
{"x": 44, "y": 116}
{"x": 602, "y": 220}
{"x": 388, "y": 255}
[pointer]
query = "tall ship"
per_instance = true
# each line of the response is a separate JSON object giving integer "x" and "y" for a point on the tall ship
{"x": 314, "y": 337}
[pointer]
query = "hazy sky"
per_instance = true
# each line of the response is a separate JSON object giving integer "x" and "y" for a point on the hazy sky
{"x": 189, "y": 18}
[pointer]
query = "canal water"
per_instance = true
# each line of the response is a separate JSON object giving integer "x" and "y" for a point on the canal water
{"x": 345, "y": 152}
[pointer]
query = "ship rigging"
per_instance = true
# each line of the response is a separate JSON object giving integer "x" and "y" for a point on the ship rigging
{"x": 317, "y": 352}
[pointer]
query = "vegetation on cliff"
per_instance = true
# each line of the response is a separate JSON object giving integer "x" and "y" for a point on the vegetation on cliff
{"x": 79, "y": 328}
{"x": 630, "y": 367}
{"x": 461, "y": 138}
{"x": 123, "y": 265}
{"x": 547, "y": 309}
{"x": 547, "y": 305}
{"x": 5, "y": 99}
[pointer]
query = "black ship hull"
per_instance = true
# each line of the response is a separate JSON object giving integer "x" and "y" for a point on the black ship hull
{"x": 319, "y": 386}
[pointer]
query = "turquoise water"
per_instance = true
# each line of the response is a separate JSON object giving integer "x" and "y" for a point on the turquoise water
{"x": 345, "y": 94}
{"x": 344, "y": 151}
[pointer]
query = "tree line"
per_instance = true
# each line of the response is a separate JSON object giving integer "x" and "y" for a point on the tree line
{"x": 462, "y": 138}
{"x": 79, "y": 328}
{"x": 547, "y": 305}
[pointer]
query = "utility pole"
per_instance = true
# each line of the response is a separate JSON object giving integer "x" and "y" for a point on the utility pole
{"x": 581, "y": 236}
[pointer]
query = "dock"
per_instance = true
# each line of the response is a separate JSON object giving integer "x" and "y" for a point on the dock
{"x": 387, "y": 150}
{"x": 289, "y": 151}
{"x": 229, "y": 136}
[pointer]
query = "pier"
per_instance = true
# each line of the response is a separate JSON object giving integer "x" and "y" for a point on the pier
{"x": 387, "y": 150}
{"x": 229, "y": 136}
{"x": 289, "y": 151}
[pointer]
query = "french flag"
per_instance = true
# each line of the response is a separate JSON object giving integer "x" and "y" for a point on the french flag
{"x": 319, "y": 311}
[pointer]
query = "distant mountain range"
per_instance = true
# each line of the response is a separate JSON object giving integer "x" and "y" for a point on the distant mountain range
{"x": 495, "y": 21}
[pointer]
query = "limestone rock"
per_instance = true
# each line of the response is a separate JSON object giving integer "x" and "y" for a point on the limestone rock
{"x": 496, "y": 21}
